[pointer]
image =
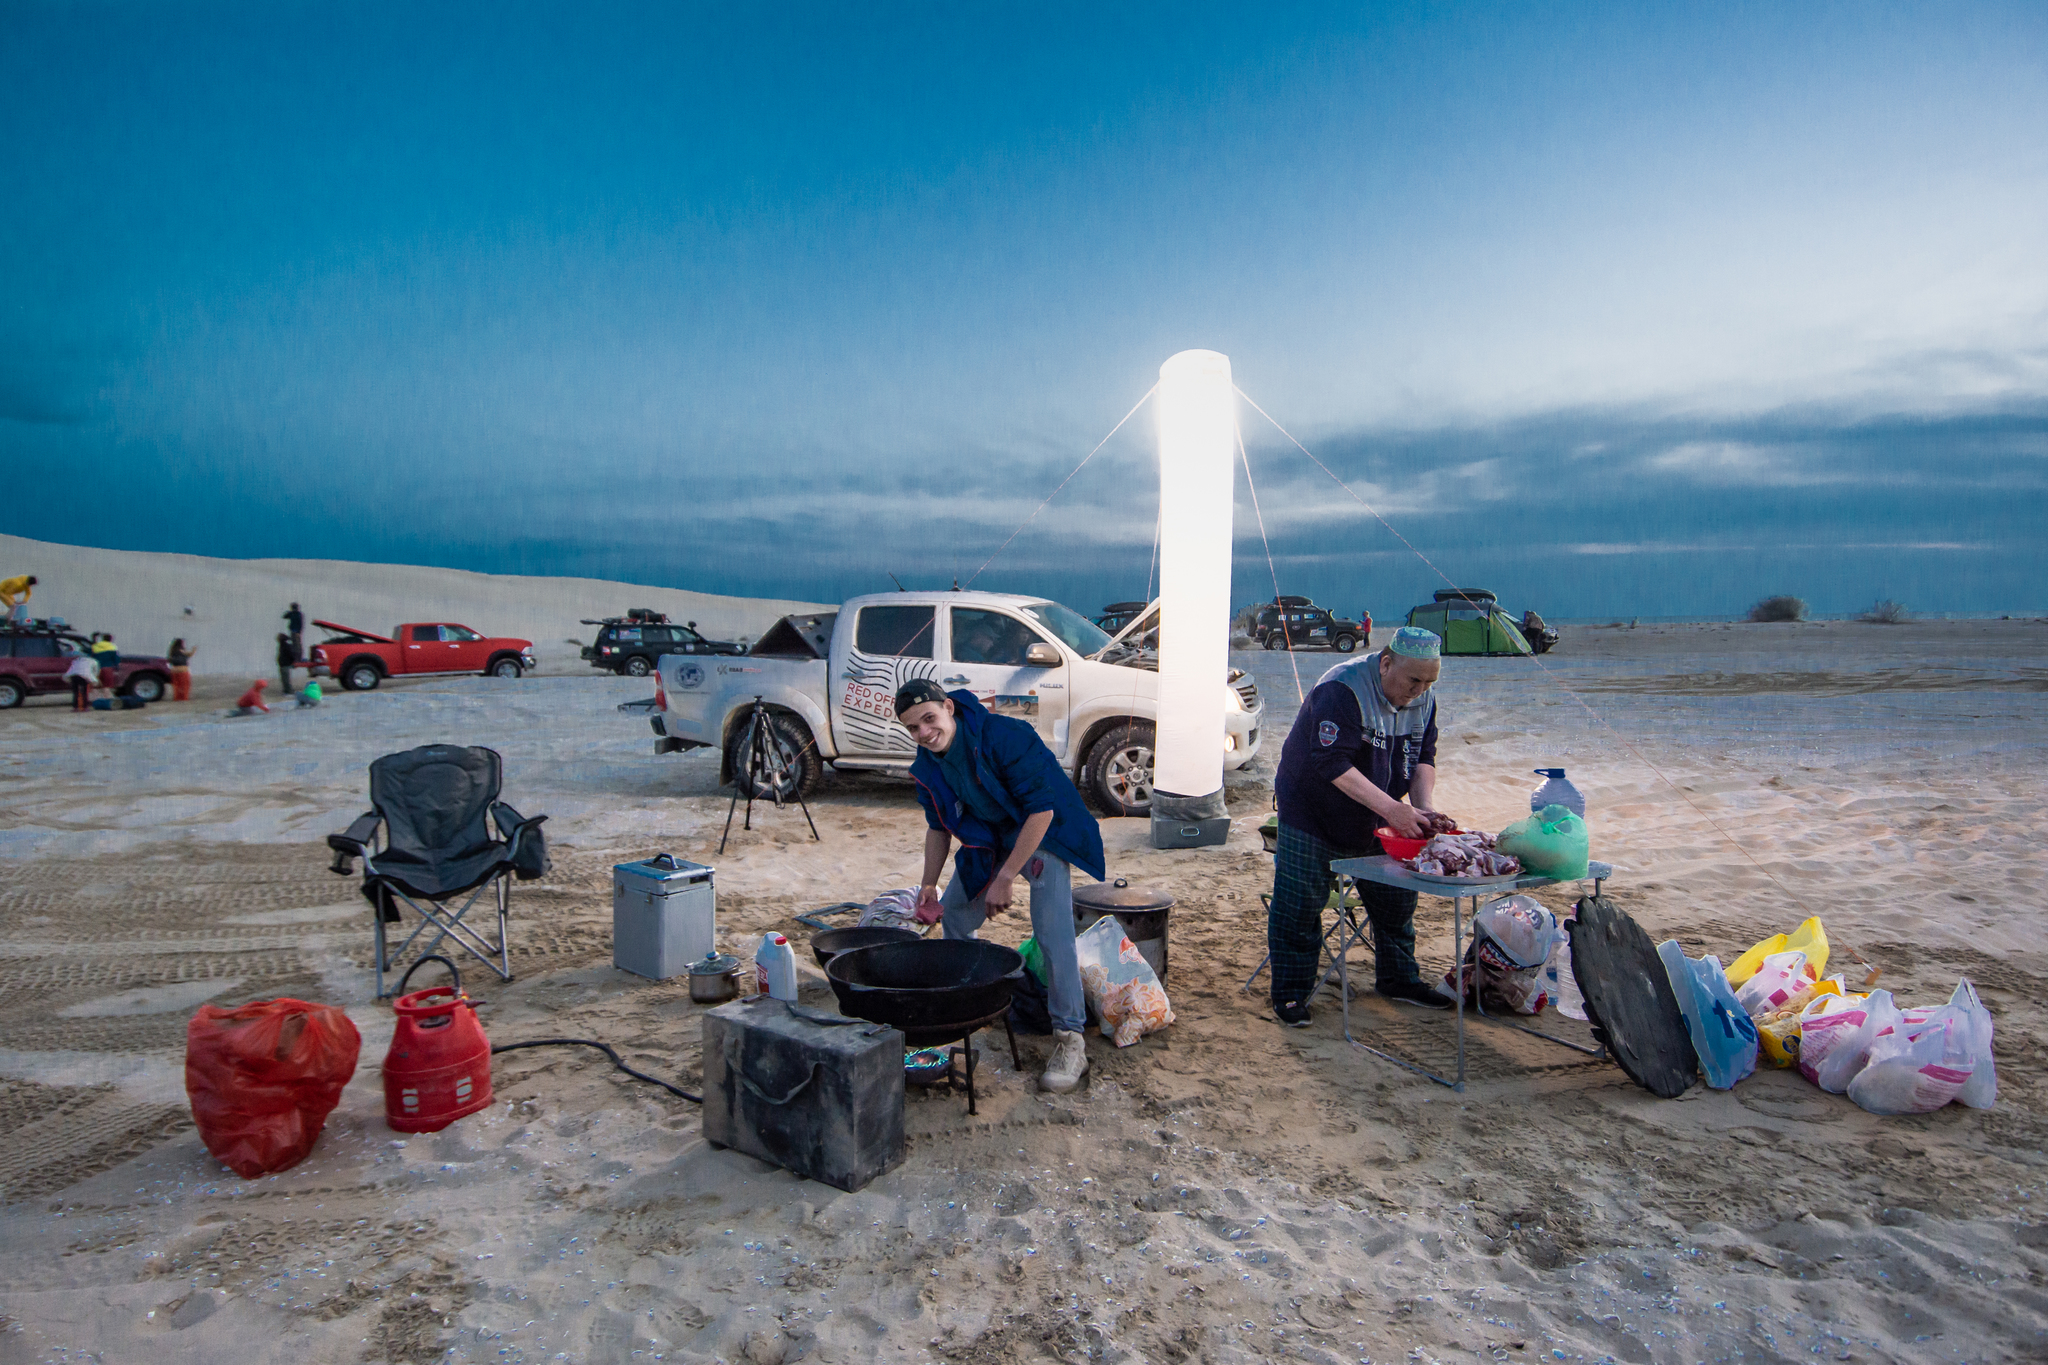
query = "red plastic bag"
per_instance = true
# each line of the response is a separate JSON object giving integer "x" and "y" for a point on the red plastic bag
{"x": 264, "y": 1076}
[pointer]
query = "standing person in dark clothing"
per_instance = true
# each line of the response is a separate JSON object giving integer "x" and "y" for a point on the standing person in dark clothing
{"x": 1361, "y": 755}
{"x": 180, "y": 657}
{"x": 287, "y": 655}
{"x": 295, "y": 622}
{"x": 990, "y": 782}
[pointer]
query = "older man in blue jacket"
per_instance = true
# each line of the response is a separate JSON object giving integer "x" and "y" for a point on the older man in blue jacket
{"x": 990, "y": 782}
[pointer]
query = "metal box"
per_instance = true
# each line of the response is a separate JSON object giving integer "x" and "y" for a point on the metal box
{"x": 664, "y": 916}
{"x": 816, "y": 1094}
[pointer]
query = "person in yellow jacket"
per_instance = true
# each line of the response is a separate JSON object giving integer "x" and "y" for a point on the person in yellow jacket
{"x": 14, "y": 595}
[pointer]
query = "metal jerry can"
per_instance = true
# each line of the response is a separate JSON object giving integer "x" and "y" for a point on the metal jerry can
{"x": 439, "y": 1065}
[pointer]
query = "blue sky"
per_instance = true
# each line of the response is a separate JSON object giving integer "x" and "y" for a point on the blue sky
{"x": 1631, "y": 310}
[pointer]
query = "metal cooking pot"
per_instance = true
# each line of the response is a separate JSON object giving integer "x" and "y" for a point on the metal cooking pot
{"x": 932, "y": 989}
{"x": 1141, "y": 910}
{"x": 827, "y": 944}
{"x": 712, "y": 978}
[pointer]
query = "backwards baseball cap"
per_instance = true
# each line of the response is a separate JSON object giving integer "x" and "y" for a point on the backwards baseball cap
{"x": 919, "y": 690}
{"x": 1410, "y": 642}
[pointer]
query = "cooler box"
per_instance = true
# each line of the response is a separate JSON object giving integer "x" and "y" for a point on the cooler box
{"x": 664, "y": 916}
{"x": 819, "y": 1095}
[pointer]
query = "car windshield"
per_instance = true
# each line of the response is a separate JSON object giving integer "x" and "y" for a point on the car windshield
{"x": 1073, "y": 629}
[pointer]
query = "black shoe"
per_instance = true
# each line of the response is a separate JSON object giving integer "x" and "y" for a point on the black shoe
{"x": 1416, "y": 993}
{"x": 1294, "y": 1014}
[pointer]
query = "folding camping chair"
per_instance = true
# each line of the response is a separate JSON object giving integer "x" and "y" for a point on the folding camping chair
{"x": 436, "y": 805}
{"x": 1344, "y": 932}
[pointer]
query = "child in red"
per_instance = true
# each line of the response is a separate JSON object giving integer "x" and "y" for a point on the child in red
{"x": 252, "y": 701}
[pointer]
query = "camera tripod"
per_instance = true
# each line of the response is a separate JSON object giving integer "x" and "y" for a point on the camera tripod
{"x": 761, "y": 758}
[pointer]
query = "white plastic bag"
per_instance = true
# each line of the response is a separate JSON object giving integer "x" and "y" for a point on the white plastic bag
{"x": 1120, "y": 984}
{"x": 1930, "y": 1057}
{"x": 1851, "y": 1053}
{"x": 1512, "y": 939}
{"x": 1782, "y": 976}
{"x": 892, "y": 910}
{"x": 1981, "y": 1090}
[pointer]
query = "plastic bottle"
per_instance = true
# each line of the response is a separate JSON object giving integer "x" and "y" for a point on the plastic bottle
{"x": 1557, "y": 792}
{"x": 1564, "y": 987}
{"x": 775, "y": 967}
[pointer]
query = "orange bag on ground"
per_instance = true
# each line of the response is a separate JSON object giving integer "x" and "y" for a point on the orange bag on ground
{"x": 264, "y": 1076}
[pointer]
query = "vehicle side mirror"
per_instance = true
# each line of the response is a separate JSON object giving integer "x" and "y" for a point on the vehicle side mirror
{"x": 1042, "y": 655}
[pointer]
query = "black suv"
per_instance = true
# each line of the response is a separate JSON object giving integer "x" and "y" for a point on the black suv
{"x": 1297, "y": 623}
{"x": 631, "y": 643}
{"x": 1117, "y": 615}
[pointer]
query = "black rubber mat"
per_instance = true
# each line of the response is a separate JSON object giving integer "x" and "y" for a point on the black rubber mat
{"x": 1629, "y": 1000}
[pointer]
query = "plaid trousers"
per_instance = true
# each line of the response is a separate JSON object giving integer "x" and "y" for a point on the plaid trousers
{"x": 1302, "y": 883}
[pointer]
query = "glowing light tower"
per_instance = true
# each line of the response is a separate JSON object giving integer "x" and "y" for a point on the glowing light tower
{"x": 1197, "y": 419}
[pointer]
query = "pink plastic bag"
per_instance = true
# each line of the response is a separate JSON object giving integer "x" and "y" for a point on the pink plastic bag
{"x": 1930, "y": 1057}
{"x": 1844, "y": 1053}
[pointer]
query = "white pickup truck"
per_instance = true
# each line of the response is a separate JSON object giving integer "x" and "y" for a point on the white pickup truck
{"x": 829, "y": 685}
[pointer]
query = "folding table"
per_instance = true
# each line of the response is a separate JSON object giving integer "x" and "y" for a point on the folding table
{"x": 1387, "y": 871}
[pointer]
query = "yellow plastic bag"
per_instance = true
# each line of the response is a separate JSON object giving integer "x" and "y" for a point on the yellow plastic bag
{"x": 1809, "y": 938}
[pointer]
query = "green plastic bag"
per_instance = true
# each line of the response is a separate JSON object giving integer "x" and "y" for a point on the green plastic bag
{"x": 1034, "y": 959}
{"x": 1550, "y": 843}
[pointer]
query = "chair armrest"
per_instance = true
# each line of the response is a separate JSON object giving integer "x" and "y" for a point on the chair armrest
{"x": 353, "y": 842}
{"x": 526, "y": 848}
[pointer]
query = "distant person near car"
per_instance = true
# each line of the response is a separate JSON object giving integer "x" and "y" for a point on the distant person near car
{"x": 309, "y": 695}
{"x": 14, "y": 595}
{"x": 295, "y": 623}
{"x": 250, "y": 702}
{"x": 83, "y": 675}
{"x": 108, "y": 657}
{"x": 181, "y": 669}
{"x": 287, "y": 655}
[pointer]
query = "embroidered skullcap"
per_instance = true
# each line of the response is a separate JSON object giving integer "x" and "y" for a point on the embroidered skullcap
{"x": 1413, "y": 642}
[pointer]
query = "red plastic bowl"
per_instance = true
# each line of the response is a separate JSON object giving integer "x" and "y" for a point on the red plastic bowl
{"x": 1399, "y": 847}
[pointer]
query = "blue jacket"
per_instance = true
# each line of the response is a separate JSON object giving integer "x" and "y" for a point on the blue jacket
{"x": 1021, "y": 775}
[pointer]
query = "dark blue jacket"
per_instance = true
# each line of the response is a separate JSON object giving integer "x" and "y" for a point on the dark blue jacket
{"x": 1019, "y": 774}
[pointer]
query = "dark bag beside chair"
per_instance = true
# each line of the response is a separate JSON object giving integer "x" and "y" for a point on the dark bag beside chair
{"x": 437, "y": 805}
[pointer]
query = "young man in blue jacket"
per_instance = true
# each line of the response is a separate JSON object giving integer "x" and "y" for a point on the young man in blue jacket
{"x": 990, "y": 782}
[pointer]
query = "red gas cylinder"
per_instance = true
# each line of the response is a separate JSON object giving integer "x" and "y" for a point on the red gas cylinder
{"x": 439, "y": 1065}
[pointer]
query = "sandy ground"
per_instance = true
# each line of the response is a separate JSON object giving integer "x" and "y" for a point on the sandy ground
{"x": 230, "y": 609}
{"x": 1221, "y": 1191}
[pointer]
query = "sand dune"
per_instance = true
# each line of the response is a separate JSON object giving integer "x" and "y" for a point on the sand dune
{"x": 230, "y": 607}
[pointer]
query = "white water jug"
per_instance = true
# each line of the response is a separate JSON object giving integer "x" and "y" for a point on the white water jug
{"x": 775, "y": 967}
{"x": 1555, "y": 791}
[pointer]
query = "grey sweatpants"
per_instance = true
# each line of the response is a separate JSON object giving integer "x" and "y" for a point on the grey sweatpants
{"x": 1052, "y": 927}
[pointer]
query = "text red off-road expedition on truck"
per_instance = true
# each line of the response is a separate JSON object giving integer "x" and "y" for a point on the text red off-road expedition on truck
{"x": 361, "y": 659}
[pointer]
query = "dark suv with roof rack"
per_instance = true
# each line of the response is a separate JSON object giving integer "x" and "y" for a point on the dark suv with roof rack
{"x": 33, "y": 658}
{"x": 1297, "y": 623}
{"x": 630, "y": 644}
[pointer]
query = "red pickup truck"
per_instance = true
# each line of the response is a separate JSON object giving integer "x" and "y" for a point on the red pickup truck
{"x": 361, "y": 659}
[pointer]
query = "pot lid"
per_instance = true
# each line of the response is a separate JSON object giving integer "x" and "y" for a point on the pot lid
{"x": 714, "y": 964}
{"x": 1119, "y": 894}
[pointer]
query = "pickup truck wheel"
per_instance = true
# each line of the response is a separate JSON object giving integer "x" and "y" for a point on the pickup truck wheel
{"x": 361, "y": 677}
{"x": 795, "y": 752}
{"x": 1345, "y": 643}
{"x": 148, "y": 688}
{"x": 507, "y": 668}
{"x": 638, "y": 666}
{"x": 12, "y": 694}
{"x": 1118, "y": 772}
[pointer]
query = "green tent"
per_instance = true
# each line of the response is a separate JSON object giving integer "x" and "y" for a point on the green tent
{"x": 1470, "y": 621}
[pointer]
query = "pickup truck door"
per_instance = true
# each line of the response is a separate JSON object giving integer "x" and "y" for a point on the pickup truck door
{"x": 421, "y": 651}
{"x": 985, "y": 654}
{"x": 467, "y": 650}
{"x": 889, "y": 644}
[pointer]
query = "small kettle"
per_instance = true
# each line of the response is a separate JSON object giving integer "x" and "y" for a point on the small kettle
{"x": 711, "y": 978}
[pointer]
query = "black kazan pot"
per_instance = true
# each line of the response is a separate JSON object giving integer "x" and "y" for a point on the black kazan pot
{"x": 935, "y": 990}
{"x": 1141, "y": 910}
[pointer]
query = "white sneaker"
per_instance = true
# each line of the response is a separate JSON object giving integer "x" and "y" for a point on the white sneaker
{"x": 1068, "y": 1065}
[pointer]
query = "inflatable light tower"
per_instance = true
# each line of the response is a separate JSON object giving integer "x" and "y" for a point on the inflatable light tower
{"x": 1197, "y": 422}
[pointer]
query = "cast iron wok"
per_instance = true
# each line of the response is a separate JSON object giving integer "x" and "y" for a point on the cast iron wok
{"x": 827, "y": 944}
{"x": 927, "y": 985}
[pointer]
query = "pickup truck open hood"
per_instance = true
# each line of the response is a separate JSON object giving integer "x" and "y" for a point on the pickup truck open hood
{"x": 354, "y": 636}
{"x": 1145, "y": 620}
